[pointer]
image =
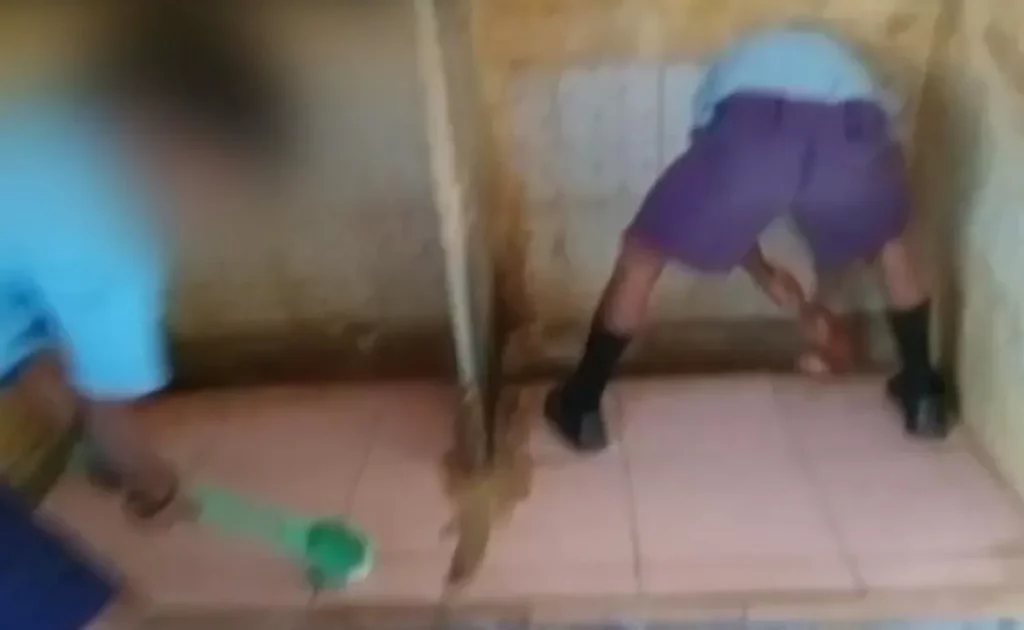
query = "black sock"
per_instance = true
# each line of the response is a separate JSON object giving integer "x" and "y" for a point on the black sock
{"x": 910, "y": 330}
{"x": 583, "y": 390}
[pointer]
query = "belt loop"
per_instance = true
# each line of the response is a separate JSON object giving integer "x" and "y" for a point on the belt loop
{"x": 780, "y": 111}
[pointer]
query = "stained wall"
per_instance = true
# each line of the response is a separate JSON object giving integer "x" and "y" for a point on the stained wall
{"x": 585, "y": 100}
{"x": 339, "y": 269}
{"x": 589, "y": 100}
{"x": 990, "y": 80}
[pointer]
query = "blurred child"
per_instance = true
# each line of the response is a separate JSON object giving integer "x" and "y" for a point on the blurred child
{"x": 789, "y": 121}
{"x": 180, "y": 114}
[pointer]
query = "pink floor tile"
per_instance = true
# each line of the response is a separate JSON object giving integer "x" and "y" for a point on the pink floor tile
{"x": 247, "y": 619}
{"x": 183, "y": 428}
{"x": 409, "y": 579}
{"x": 544, "y": 446}
{"x": 928, "y": 571}
{"x": 301, "y": 449}
{"x": 765, "y": 574}
{"x": 403, "y": 505}
{"x": 417, "y": 420}
{"x": 334, "y": 417}
{"x": 306, "y": 479}
{"x": 848, "y": 415}
{"x": 536, "y": 581}
{"x": 400, "y": 498}
{"x": 668, "y": 417}
{"x": 712, "y": 506}
{"x": 305, "y": 449}
{"x": 577, "y": 512}
{"x": 725, "y": 485}
{"x": 918, "y": 503}
{"x": 93, "y": 514}
{"x": 194, "y": 567}
{"x": 187, "y": 566}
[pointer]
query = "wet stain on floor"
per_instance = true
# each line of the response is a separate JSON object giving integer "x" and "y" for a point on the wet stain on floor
{"x": 485, "y": 495}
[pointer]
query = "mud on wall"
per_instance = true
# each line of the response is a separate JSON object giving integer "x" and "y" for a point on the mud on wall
{"x": 586, "y": 100}
{"x": 590, "y": 99}
{"x": 341, "y": 271}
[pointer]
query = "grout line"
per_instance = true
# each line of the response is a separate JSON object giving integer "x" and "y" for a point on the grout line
{"x": 634, "y": 517}
{"x": 372, "y": 444}
{"x": 308, "y": 609}
{"x": 803, "y": 460}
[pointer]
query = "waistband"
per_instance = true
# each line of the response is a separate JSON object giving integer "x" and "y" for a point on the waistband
{"x": 854, "y": 119}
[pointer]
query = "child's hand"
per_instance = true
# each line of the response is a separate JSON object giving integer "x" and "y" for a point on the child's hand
{"x": 785, "y": 290}
{"x": 160, "y": 506}
{"x": 831, "y": 346}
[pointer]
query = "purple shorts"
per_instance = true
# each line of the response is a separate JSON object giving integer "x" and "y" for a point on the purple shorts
{"x": 45, "y": 582}
{"x": 835, "y": 168}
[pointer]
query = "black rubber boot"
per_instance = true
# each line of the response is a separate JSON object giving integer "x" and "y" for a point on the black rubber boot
{"x": 918, "y": 389}
{"x": 574, "y": 408}
{"x": 923, "y": 403}
{"x": 584, "y": 432}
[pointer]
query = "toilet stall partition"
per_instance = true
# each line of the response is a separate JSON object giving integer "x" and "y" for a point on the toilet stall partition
{"x": 457, "y": 141}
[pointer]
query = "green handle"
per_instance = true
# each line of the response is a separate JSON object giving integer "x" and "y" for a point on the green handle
{"x": 333, "y": 553}
{"x": 236, "y": 515}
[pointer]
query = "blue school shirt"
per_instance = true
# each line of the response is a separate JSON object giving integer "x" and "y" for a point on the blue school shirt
{"x": 81, "y": 269}
{"x": 798, "y": 62}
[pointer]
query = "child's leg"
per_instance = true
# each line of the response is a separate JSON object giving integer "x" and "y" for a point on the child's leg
{"x": 574, "y": 408}
{"x": 705, "y": 211}
{"x": 108, "y": 324}
{"x": 121, "y": 457}
{"x": 918, "y": 387}
{"x": 856, "y": 204}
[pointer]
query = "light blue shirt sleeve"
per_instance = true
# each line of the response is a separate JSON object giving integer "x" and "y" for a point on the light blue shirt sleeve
{"x": 797, "y": 61}
{"x": 78, "y": 236}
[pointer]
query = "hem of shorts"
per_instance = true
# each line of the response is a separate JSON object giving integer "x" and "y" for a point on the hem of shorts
{"x": 674, "y": 254}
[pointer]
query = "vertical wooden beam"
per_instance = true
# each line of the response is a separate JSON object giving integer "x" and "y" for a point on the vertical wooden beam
{"x": 447, "y": 73}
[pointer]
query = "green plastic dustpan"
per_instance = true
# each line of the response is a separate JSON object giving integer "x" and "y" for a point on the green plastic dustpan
{"x": 333, "y": 553}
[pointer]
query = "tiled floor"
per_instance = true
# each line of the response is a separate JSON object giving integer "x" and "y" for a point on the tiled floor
{"x": 746, "y": 486}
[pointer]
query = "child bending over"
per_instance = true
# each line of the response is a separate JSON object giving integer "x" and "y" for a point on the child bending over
{"x": 789, "y": 120}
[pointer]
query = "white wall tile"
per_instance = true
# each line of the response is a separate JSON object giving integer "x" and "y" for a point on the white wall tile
{"x": 679, "y": 84}
{"x": 535, "y": 134}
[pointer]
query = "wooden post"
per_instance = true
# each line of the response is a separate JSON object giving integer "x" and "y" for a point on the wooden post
{"x": 447, "y": 73}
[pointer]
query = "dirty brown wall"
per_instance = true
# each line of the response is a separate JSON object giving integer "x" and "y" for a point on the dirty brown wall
{"x": 338, "y": 272}
{"x": 349, "y": 270}
{"x": 344, "y": 272}
{"x": 987, "y": 78}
